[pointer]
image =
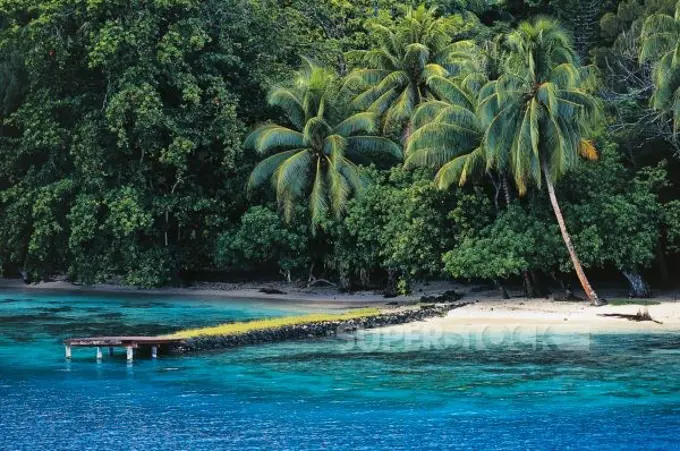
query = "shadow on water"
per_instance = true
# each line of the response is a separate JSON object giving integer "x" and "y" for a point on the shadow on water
{"x": 145, "y": 305}
{"x": 13, "y": 301}
{"x": 65, "y": 308}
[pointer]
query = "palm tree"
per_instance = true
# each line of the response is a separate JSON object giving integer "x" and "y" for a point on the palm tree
{"x": 447, "y": 134}
{"x": 317, "y": 156}
{"x": 539, "y": 116}
{"x": 661, "y": 45}
{"x": 392, "y": 78}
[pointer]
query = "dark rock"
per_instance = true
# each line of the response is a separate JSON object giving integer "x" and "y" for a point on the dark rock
{"x": 448, "y": 296}
{"x": 267, "y": 290}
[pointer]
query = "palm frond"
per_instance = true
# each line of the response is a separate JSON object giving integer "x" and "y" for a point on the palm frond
{"x": 339, "y": 188}
{"x": 271, "y": 136}
{"x": 318, "y": 201}
{"x": 459, "y": 49}
{"x": 370, "y": 77}
{"x": 547, "y": 95}
{"x": 375, "y": 148}
{"x": 266, "y": 168}
{"x": 401, "y": 110}
{"x": 660, "y": 34}
{"x": 290, "y": 180}
{"x": 289, "y": 102}
{"x": 438, "y": 134}
{"x": 447, "y": 90}
{"x": 460, "y": 169}
{"x": 383, "y": 103}
{"x": 434, "y": 70}
{"x": 426, "y": 113}
{"x": 431, "y": 157}
{"x": 565, "y": 76}
{"x": 366, "y": 122}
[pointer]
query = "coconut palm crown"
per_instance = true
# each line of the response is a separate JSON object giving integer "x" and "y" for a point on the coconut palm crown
{"x": 447, "y": 134}
{"x": 661, "y": 45}
{"x": 539, "y": 116}
{"x": 317, "y": 156}
{"x": 391, "y": 79}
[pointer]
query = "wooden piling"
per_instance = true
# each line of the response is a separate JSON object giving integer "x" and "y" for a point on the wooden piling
{"x": 130, "y": 343}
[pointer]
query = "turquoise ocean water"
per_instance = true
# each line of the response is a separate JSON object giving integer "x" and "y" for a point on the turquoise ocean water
{"x": 598, "y": 392}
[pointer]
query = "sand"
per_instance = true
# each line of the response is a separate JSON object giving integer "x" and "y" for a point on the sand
{"x": 554, "y": 316}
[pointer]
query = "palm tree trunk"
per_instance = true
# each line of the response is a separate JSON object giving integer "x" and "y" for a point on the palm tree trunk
{"x": 506, "y": 189}
{"x": 590, "y": 293}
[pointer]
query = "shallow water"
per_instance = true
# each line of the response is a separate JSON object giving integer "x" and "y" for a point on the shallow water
{"x": 378, "y": 392}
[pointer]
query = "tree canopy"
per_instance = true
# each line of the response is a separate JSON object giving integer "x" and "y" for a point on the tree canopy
{"x": 367, "y": 143}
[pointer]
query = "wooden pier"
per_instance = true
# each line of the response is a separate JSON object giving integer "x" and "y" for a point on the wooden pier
{"x": 129, "y": 343}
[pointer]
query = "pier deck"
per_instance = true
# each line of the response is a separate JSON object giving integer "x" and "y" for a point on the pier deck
{"x": 130, "y": 343}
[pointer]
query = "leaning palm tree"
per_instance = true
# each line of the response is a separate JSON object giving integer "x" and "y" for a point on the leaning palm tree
{"x": 391, "y": 79}
{"x": 317, "y": 155}
{"x": 539, "y": 117}
{"x": 661, "y": 46}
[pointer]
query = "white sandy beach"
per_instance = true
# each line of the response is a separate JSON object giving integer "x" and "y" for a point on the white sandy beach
{"x": 555, "y": 316}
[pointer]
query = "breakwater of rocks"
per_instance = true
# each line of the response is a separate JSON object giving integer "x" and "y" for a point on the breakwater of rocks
{"x": 390, "y": 317}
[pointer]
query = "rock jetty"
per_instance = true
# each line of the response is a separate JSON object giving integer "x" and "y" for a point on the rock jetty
{"x": 389, "y": 317}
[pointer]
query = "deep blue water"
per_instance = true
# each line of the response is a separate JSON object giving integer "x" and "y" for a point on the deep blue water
{"x": 586, "y": 392}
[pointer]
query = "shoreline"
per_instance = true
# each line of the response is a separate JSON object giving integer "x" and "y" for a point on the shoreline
{"x": 327, "y": 297}
{"x": 484, "y": 311}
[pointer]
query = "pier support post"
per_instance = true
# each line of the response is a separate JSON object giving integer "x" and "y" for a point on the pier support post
{"x": 99, "y": 354}
{"x": 111, "y": 351}
{"x": 67, "y": 351}
{"x": 130, "y": 353}
{"x": 154, "y": 352}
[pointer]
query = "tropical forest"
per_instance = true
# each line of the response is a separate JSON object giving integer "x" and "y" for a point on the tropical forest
{"x": 339, "y": 225}
{"x": 367, "y": 144}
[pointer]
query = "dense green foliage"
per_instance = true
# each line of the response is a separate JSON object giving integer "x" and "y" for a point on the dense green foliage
{"x": 401, "y": 141}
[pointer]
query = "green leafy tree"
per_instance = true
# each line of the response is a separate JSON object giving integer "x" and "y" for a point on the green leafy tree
{"x": 616, "y": 215}
{"x": 399, "y": 227}
{"x": 318, "y": 154}
{"x": 122, "y": 104}
{"x": 517, "y": 242}
{"x": 262, "y": 239}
